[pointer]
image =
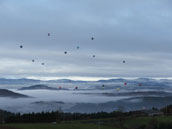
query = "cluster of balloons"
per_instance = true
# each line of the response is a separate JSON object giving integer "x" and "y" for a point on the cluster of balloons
{"x": 125, "y": 84}
{"x": 49, "y": 34}
{"x": 21, "y": 46}
{"x": 92, "y": 38}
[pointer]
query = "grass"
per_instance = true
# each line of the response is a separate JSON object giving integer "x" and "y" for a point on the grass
{"x": 59, "y": 126}
{"x": 112, "y": 123}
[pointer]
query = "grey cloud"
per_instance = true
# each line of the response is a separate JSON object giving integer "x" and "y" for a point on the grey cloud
{"x": 136, "y": 31}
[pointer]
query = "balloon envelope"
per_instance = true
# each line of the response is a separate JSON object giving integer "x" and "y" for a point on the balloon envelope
{"x": 118, "y": 89}
{"x": 140, "y": 84}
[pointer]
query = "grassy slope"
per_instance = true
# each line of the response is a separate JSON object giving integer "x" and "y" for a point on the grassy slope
{"x": 58, "y": 126}
{"x": 93, "y": 124}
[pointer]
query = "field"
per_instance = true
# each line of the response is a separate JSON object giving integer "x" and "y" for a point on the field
{"x": 58, "y": 126}
{"x": 120, "y": 123}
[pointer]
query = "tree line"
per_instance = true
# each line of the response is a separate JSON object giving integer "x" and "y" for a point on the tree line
{"x": 58, "y": 116}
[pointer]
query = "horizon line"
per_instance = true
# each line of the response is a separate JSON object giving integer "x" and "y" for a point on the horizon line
{"x": 87, "y": 78}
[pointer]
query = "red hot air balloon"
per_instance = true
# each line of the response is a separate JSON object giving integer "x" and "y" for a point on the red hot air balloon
{"x": 125, "y": 83}
{"x": 76, "y": 88}
{"x": 140, "y": 84}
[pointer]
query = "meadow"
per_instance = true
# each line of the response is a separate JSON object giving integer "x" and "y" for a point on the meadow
{"x": 158, "y": 122}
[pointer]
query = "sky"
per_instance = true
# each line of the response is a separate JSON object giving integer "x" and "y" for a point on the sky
{"x": 138, "y": 32}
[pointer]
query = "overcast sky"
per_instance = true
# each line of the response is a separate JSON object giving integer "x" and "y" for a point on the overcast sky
{"x": 137, "y": 31}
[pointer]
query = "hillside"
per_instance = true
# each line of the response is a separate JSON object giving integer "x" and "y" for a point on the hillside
{"x": 8, "y": 93}
{"x": 38, "y": 87}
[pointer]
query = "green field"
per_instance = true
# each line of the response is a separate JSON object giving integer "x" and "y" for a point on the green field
{"x": 58, "y": 126}
{"x": 116, "y": 123}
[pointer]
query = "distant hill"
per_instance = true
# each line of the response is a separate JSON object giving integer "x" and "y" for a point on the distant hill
{"x": 112, "y": 80}
{"x": 48, "y": 103}
{"x": 66, "y": 81}
{"x": 142, "y": 81}
{"x": 18, "y": 81}
{"x": 8, "y": 93}
{"x": 38, "y": 87}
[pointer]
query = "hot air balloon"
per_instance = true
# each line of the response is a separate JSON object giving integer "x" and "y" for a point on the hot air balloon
{"x": 92, "y": 38}
{"x": 48, "y": 34}
{"x": 43, "y": 63}
{"x": 60, "y": 87}
{"x": 103, "y": 86}
{"x": 125, "y": 83}
{"x": 21, "y": 46}
{"x": 33, "y": 60}
{"x": 65, "y": 52}
{"x": 77, "y": 47}
{"x": 124, "y": 61}
{"x": 140, "y": 84}
{"x": 76, "y": 88}
{"x": 118, "y": 89}
{"x": 94, "y": 56}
